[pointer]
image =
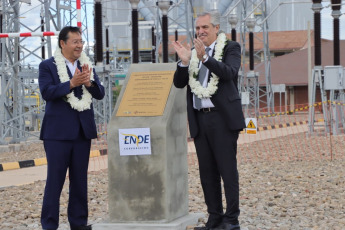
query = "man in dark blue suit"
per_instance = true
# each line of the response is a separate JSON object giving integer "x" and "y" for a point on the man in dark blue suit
{"x": 68, "y": 83}
{"x": 215, "y": 116}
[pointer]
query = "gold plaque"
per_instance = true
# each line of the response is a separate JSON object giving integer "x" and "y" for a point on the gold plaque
{"x": 146, "y": 94}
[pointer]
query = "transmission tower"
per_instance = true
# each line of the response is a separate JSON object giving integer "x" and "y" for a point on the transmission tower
{"x": 253, "y": 14}
{"x": 21, "y": 105}
{"x": 20, "y": 101}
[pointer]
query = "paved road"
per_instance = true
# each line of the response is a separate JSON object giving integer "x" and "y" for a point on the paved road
{"x": 32, "y": 174}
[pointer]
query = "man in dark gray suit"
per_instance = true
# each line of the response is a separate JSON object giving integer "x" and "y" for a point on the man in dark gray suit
{"x": 215, "y": 116}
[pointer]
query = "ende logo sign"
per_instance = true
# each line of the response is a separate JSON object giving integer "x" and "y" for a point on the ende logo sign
{"x": 135, "y": 141}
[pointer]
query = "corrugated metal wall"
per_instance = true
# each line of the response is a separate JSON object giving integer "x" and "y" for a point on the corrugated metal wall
{"x": 289, "y": 16}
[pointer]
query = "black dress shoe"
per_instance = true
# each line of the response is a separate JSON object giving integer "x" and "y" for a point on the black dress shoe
{"x": 226, "y": 226}
{"x": 88, "y": 227}
{"x": 206, "y": 228}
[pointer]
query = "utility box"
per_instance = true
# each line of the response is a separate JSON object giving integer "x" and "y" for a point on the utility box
{"x": 334, "y": 77}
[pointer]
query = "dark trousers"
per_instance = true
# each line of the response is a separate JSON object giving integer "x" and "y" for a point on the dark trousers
{"x": 63, "y": 155}
{"x": 216, "y": 148}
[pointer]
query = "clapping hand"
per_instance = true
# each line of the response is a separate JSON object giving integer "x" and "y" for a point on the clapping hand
{"x": 81, "y": 77}
{"x": 183, "y": 52}
{"x": 87, "y": 71}
{"x": 199, "y": 47}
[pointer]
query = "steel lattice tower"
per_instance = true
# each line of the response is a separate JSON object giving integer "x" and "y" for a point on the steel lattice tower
{"x": 258, "y": 96}
{"x": 21, "y": 105}
{"x": 18, "y": 87}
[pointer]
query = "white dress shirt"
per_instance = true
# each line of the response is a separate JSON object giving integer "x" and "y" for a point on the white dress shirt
{"x": 206, "y": 103}
{"x": 72, "y": 67}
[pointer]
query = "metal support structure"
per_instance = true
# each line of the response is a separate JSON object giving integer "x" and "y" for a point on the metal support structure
{"x": 252, "y": 89}
{"x": 336, "y": 41}
{"x": 267, "y": 94}
{"x": 243, "y": 31}
{"x": 165, "y": 38}
{"x": 336, "y": 96}
{"x": 233, "y": 20}
{"x": 17, "y": 107}
{"x": 98, "y": 32}
{"x": 342, "y": 108}
{"x": 153, "y": 42}
{"x": 189, "y": 20}
{"x": 328, "y": 78}
{"x": 317, "y": 78}
{"x": 18, "y": 86}
{"x": 317, "y": 73}
{"x": 176, "y": 39}
{"x": 336, "y": 13}
{"x": 135, "y": 35}
{"x": 107, "y": 54}
{"x": 43, "y": 55}
{"x": 164, "y": 6}
{"x": 103, "y": 108}
{"x": 21, "y": 105}
{"x": 256, "y": 10}
{"x": 180, "y": 16}
{"x": 252, "y": 81}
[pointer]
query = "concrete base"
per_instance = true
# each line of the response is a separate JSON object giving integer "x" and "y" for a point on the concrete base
{"x": 178, "y": 224}
{"x": 150, "y": 188}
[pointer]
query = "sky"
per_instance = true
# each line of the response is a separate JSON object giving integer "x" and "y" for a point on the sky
{"x": 30, "y": 16}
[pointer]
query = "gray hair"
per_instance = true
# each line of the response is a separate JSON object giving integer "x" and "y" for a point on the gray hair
{"x": 214, "y": 16}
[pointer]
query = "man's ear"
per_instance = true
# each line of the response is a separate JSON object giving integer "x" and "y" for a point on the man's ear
{"x": 62, "y": 43}
{"x": 217, "y": 27}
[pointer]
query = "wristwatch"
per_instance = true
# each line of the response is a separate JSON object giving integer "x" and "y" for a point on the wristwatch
{"x": 92, "y": 84}
{"x": 204, "y": 57}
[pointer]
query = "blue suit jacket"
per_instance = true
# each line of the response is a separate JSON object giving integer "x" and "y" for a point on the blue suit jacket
{"x": 60, "y": 121}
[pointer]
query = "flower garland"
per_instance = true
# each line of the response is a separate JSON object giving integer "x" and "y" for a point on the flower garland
{"x": 212, "y": 86}
{"x": 78, "y": 104}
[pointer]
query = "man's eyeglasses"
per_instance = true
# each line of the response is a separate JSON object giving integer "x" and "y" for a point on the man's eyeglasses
{"x": 78, "y": 42}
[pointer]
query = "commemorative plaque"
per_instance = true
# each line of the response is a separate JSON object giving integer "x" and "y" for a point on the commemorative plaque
{"x": 146, "y": 94}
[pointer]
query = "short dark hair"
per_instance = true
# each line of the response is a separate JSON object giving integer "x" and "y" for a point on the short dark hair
{"x": 63, "y": 35}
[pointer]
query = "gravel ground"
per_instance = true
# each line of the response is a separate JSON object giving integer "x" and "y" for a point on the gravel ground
{"x": 294, "y": 193}
{"x": 33, "y": 150}
{"x": 23, "y": 151}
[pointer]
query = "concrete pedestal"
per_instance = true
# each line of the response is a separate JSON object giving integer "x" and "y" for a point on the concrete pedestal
{"x": 150, "y": 191}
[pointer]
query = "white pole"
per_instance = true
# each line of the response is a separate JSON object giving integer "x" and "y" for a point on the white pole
{"x": 310, "y": 78}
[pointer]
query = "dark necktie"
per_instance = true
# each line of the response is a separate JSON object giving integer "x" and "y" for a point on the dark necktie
{"x": 78, "y": 91}
{"x": 201, "y": 78}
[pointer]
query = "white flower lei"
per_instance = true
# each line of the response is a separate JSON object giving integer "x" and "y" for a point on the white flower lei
{"x": 85, "y": 102}
{"x": 212, "y": 87}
